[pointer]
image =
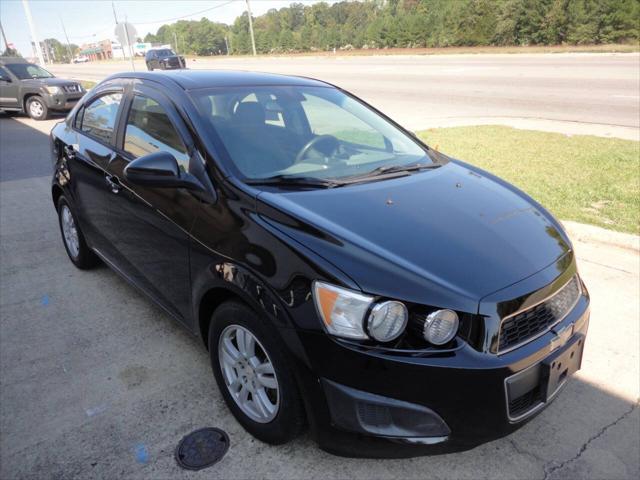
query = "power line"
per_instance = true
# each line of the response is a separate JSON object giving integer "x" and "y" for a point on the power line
{"x": 185, "y": 16}
{"x": 81, "y": 37}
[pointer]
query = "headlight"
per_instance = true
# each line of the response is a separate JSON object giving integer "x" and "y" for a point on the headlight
{"x": 52, "y": 90}
{"x": 387, "y": 321}
{"x": 440, "y": 326}
{"x": 342, "y": 311}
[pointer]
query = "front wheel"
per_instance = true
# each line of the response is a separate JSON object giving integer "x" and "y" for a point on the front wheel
{"x": 37, "y": 109}
{"x": 253, "y": 374}
{"x": 74, "y": 243}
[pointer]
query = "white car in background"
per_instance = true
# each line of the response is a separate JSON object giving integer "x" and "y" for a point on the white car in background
{"x": 81, "y": 59}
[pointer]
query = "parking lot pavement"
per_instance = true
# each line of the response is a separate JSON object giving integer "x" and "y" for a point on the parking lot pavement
{"x": 96, "y": 382}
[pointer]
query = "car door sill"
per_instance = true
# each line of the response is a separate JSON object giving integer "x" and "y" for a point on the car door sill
{"x": 135, "y": 284}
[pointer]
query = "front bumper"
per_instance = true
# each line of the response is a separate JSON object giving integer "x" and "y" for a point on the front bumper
{"x": 369, "y": 404}
{"x": 62, "y": 101}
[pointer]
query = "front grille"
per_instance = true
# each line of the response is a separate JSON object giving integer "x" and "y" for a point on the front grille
{"x": 530, "y": 323}
{"x": 72, "y": 88}
{"x": 522, "y": 404}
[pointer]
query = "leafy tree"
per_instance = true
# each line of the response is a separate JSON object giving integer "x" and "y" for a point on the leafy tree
{"x": 10, "y": 52}
{"x": 412, "y": 23}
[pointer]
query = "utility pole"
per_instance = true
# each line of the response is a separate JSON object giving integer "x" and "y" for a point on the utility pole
{"x": 68, "y": 44}
{"x": 6, "y": 44}
{"x": 32, "y": 28}
{"x": 113, "y": 6}
{"x": 253, "y": 40}
{"x": 226, "y": 43}
{"x": 175, "y": 41}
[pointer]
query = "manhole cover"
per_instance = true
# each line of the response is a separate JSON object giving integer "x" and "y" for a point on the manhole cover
{"x": 202, "y": 448}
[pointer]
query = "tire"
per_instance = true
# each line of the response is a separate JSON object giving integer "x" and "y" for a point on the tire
{"x": 36, "y": 108}
{"x": 79, "y": 253}
{"x": 288, "y": 420}
{"x": 149, "y": 67}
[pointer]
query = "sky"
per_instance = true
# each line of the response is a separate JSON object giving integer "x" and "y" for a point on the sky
{"x": 87, "y": 21}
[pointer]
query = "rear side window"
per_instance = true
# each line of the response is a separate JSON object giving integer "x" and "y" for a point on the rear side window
{"x": 99, "y": 117}
{"x": 149, "y": 130}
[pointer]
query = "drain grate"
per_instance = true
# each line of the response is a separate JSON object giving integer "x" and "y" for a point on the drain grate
{"x": 202, "y": 448}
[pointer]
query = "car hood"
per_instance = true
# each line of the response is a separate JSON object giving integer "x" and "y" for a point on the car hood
{"x": 39, "y": 82}
{"x": 444, "y": 237}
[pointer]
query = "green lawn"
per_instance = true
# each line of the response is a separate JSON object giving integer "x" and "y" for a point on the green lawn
{"x": 583, "y": 178}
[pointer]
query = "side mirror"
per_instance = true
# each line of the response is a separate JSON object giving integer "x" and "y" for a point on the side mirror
{"x": 160, "y": 169}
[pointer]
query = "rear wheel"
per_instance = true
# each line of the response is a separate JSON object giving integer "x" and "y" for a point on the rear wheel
{"x": 252, "y": 371}
{"x": 74, "y": 243}
{"x": 36, "y": 108}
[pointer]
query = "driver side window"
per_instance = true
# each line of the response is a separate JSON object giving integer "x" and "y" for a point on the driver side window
{"x": 149, "y": 130}
{"x": 326, "y": 118}
{"x": 4, "y": 76}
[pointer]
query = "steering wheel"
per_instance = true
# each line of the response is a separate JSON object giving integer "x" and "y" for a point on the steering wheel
{"x": 330, "y": 140}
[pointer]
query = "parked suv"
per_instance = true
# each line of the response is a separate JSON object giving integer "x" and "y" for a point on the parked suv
{"x": 29, "y": 88}
{"x": 164, "y": 59}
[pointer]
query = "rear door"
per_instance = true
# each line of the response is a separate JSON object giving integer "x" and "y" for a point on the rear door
{"x": 149, "y": 226}
{"x": 87, "y": 159}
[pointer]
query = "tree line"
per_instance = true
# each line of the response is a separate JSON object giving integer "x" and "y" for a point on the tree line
{"x": 411, "y": 23}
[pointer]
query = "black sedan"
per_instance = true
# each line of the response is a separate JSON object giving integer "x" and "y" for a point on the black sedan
{"x": 342, "y": 274}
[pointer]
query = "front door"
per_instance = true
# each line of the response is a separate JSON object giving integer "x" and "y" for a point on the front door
{"x": 9, "y": 90}
{"x": 149, "y": 226}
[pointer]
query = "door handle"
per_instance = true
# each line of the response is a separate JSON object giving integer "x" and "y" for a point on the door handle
{"x": 114, "y": 183}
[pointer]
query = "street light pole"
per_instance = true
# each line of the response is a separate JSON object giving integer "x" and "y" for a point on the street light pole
{"x": 253, "y": 40}
{"x": 6, "y": 44}
{"x": 32, "y": 28}
{"x": 126, "y": 32}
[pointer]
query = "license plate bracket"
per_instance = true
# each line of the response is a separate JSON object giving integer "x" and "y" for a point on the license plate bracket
{"x": 560, "y": 365}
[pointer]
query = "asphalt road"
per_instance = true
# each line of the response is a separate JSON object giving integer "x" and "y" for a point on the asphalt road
{"x": 595, "y": 94}
{"x": 96, "y": 382}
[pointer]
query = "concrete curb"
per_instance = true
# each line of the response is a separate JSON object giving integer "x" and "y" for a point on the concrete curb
{"x": 591, "y": 233}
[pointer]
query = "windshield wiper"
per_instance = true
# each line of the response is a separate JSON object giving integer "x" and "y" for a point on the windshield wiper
{"x": 393, "y": 169}
{"x": 294, "y": 181}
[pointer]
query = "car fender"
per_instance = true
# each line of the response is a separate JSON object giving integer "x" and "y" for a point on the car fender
{"x": 224, "y": 279}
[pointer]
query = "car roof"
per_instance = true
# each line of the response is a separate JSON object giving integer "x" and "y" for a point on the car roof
{"x": 12, "y": 60}
{"x": 196, "y": 79}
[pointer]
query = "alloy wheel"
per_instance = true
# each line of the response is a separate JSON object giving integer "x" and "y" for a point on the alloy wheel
{"x": 249, "y": 374}
{"x": 35, "y": 108}
{"x": 69, "y": 231}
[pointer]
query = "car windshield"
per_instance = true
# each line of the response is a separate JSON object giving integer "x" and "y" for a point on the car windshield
{"x": 28, "y": 70}
{"x": 165, "y": 53}
{"x": 311, "y": 132}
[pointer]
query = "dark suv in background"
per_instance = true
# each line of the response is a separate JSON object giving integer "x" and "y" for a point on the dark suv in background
{"x": 164, "y": 59}
{"x": 29, "y": 88}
